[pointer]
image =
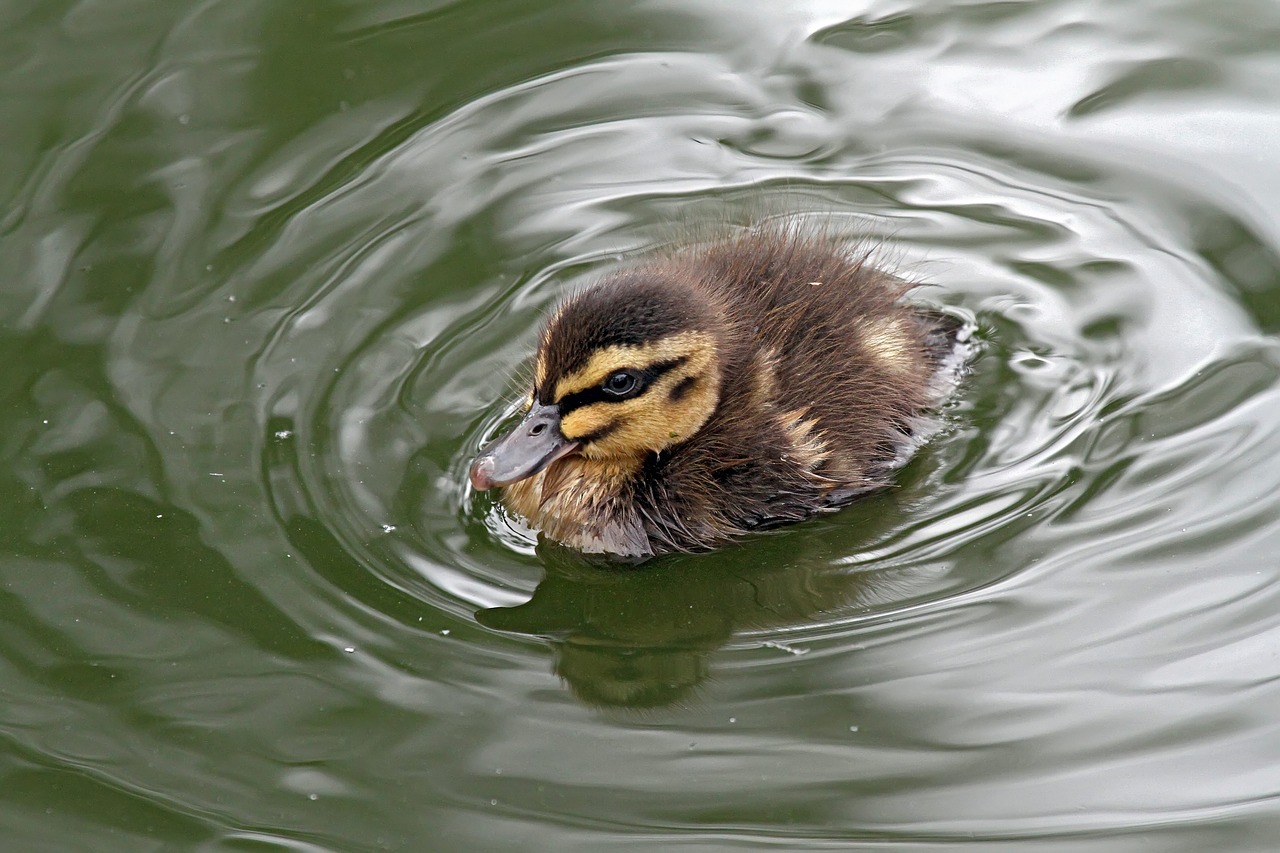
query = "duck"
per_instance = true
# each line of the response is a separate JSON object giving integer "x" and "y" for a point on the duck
{"x": 761, "y": 378}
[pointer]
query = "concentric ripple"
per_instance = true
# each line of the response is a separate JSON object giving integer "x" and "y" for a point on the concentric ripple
{"x": 272, "y": 292}
{"x": 1077, "y": 337}
{"x": 1115, "y": 375}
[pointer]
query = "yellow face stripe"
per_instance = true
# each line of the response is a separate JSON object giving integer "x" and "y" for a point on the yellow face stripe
{"x": 696, "y": 347}
{"x": 625, "y": 430}
{"x": 591, "y": 419}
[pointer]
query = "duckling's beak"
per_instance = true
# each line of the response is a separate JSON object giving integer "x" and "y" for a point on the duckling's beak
{"x": 529, "y": 448}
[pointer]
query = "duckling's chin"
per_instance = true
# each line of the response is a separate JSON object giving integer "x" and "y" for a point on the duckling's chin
{"x": 579, "y": 502}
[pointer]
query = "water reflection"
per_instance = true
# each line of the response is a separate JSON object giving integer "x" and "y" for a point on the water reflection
{"x": 642, "y": 636}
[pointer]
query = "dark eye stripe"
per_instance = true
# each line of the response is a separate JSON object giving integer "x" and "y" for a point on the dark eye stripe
{"x": 596, "y": 394}
{"x": 681, "y": 388}
{"x": 598, "y": 434}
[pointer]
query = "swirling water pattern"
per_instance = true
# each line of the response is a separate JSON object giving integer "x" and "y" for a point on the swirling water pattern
{"x": 271, "y": 276}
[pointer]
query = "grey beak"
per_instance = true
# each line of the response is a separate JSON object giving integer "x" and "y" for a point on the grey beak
{"x": 534, "y": 444}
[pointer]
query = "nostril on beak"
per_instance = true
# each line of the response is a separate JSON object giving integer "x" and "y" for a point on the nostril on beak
{"x": 538, "y": 428}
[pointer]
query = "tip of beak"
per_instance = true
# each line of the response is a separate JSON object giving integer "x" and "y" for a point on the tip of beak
{"x": 482, "y": 474}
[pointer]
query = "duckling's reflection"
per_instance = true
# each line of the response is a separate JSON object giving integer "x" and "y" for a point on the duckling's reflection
{"x": 640, "y": 637}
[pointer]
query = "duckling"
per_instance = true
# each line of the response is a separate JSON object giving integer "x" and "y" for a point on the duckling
{"x": 756, "y": 380}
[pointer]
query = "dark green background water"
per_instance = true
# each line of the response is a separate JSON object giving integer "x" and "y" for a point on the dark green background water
{"x": 266, "y": 272}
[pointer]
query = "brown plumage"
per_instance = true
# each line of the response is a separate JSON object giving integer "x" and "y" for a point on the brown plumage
{"x": 749, "y": 382}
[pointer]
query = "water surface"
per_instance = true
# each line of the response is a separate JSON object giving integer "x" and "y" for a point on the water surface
{"x": 272, "y": 274}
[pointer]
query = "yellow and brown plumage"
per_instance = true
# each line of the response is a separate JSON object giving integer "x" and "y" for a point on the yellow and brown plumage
{"x": 753, "y": 381}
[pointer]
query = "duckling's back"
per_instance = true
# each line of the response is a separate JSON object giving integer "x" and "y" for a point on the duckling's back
{"x": 832, "y": 337}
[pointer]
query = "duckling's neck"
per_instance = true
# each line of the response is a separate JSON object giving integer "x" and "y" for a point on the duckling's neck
{"x": 585, "y": 504}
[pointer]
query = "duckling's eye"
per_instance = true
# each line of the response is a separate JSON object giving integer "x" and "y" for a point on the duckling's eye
{"x": 624, "y": 383}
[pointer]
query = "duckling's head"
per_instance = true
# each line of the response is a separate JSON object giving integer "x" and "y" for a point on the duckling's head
{"x": 625, "y": 369}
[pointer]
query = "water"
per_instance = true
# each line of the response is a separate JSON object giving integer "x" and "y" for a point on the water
{"x": 270, "y": 275}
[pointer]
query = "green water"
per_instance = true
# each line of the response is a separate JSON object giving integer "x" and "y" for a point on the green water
{"x": 267, "y": 272}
